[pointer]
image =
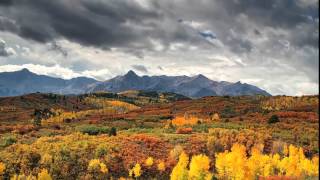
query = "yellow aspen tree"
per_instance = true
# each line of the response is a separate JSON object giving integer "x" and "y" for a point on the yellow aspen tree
{"x": 149, "y": 162}
{"x": 199, "y": 168}
{"x": 44, "y": 175}
{"x": 232, "y": 164}
{"x": 96, "y": 166}
{"x": 137, "y": 170}
{"x": 161, "y": 166}
{"x": 180, "y": 171}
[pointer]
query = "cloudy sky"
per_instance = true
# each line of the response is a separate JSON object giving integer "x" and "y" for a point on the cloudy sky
{"x": 272, "y": 44}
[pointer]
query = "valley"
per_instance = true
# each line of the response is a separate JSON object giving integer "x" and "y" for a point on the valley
{"x": 148, "y": 132}
{"x": 159, "y": 90}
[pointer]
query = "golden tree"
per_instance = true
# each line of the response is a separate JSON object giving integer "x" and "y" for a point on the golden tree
{"x": 149, "y": 162}
{"x": 137, "y": 170}
{"x": 44, "y": 175}
{"x": 199, "y": 168}
{"x": 296, "y": 164}
{"x": 161, "y": 166}
{"x": 236, "y": 165}
{"x": 232, "y": 164}
{"x": 96, "y": 166}
{"x": 180, "y": 171}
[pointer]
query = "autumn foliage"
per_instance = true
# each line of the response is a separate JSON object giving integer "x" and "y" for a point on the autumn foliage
{"x": 180, "y": 121}
{"x": 237, "y": 165}
{"x": 184, "y": 130}
{"x": 49, "y": 157}
{"x": 123, "y": 136}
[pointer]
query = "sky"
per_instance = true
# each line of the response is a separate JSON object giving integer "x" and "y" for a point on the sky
{"x": 272, "y": 44}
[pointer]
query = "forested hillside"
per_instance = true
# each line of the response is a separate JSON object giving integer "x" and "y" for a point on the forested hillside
{"x": 143, "y": 135}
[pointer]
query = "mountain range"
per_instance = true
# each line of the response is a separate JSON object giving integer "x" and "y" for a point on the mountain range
{"x": 24, "y": 82}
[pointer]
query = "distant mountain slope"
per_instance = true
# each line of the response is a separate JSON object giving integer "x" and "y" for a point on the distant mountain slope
{"x": 21, "y": 108}
{"x": 196, "y": 86}
{"x": 24, "y": 82}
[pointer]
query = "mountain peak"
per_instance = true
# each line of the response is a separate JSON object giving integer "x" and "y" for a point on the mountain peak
{"x": 25, "y": 70}
{"x": 201, "y": 76}
{"x": 131, "y": 74}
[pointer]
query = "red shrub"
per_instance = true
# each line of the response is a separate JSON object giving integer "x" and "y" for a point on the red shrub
{"x": 184, "y": 130}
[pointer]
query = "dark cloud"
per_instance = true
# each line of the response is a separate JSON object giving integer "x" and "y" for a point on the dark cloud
{"x": 7, "y": 24}
{"x": 274, "y": 13}
{"x": 126, "y": 23}
{"x": 56, "y": 47}
{"x": 239, "y": 44}
{"x": 89, "y": 22}
{"x": 257, "y": 32}
{"x": 6, "y": 2}
{"x": 247, "y": 29}
{"x": 140, "y": 68}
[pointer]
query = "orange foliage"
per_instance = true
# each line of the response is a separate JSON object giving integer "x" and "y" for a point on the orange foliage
{"x": 180, "y": 121}
{"x": 196, "y": 144}
{"x": 140, "y": 147}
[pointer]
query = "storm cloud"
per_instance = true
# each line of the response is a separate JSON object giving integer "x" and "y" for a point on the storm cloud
{"x": 247, "y": 34}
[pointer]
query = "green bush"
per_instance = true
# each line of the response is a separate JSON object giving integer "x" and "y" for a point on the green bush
{"x": 200, "y": 127}
{"x": 101, "y": 150}
{"x": 165, "y": 117}
{"x": 273, "y": 119}
{"x": 113, "y": 131}
{"x": 93, "y": 130}
{"x": 7, "y": 141}
{"x": 228, "y": 112}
